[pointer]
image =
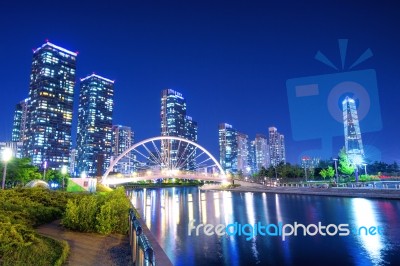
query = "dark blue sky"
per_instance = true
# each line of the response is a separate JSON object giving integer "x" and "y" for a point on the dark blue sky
{"x": 230, "y": 59}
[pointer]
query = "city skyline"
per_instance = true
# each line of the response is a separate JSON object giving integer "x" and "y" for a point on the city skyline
{"x": 235, "y": 74}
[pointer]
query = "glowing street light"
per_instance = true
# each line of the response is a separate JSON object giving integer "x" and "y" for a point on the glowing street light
{"x": 365, "y": 168}
{"x": 7, "y": 154}
{"x": 83, "y": 174}
{"x": 64, "y": 171}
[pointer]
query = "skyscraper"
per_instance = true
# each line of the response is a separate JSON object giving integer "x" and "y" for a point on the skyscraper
{"x": 252, "y": 160}
{"x": 122, "y": 139}
{"x": 276, "y": 147}
{"x": 352, "y": 134}
{"x": 228, "y": 148}
{"x": 50, "y": 104}
{"x": 19, "y": 123}
{"x": 262, "y": 152}
{"x": 243, "y": 154}
{"x": 94, "y": 124}
{"x": 175, "y": 122}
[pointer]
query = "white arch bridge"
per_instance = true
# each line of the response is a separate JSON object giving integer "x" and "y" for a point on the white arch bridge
{"x": 164, "y": 157}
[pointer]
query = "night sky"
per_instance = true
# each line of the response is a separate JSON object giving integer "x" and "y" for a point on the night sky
{"x": 230, "y": 60}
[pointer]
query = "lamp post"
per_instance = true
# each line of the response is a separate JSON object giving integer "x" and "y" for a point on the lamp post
{"x": 63, "y": 172}
{"x": 44, "y": 170}
{"x": 336, "y": 171}
{"x": 365, "y": 168}
{"x": 7, "y": 154}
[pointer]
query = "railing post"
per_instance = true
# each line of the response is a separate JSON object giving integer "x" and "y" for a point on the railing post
{"x": 136, "y": 233}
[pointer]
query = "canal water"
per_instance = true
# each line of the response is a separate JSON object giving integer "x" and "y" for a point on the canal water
{"x": 373, "y": 236}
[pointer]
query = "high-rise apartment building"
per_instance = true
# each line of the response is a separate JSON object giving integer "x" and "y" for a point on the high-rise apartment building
{"x": 228, "y": 148}
{"x": 352, "y": 134}
{"x": 95, "y": 124}
{"x": 243, "y": 154}
{"x": 252, "y": 160}
{"x": 49, "y": 112}
{"x": 73, "y": 163}
{"x": 19, "y": 122}
{"x": 262, "y": 152}
{"x": 276, "y": 147}
{"x": 175, "y": 122}
{"x": 122, "y": 139}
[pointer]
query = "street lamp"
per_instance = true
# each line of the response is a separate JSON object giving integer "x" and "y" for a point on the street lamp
{"x": 7, "y": 154}
{"x": 365, "y": 168}
{"x": 63, "y": 172}
{"x": 44, "y": 170}
{"x": 83, "y": 174}
{"x": 336, "y": 171}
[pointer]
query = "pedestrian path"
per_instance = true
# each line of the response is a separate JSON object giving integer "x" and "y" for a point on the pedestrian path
{"x": 87, "y": 249}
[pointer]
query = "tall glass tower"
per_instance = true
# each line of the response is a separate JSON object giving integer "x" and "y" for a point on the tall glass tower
{"x": 352, "y": 133}
{"x": 50, "y": 104}
{"x": 262, "y": 151}
{"x": 277, "y": 151}
{"x": 95, "y": 125}
{"x": 175, "y": 122}
{"x": 122, "y": 139}
{"x": 228, "y": 148}
{"x": 19, "y": 123}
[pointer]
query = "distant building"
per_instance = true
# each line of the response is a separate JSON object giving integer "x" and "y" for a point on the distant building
{"x": 243, "y": 154}
{"x": 175, "y": 122}
{"x": 352, "y": 134}
{"x": 94, "y": 125}
{"x": 228, "y": 148}
{"x": 122, "y": 139}
{"x": 50, "y": 105}
{"x": 277, "y": 152}
{"x": 262, "y": 152}
{"x": 19, "y": 122}
{"x": 252, "y": 160}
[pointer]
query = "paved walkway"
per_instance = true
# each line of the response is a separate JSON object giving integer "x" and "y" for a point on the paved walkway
{"x": 89, "y": 248}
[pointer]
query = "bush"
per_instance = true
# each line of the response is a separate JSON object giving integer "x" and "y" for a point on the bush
{"x": 104, "y": 213}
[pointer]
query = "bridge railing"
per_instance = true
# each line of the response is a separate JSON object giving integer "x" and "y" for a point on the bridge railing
{"x": 142, "y": 251}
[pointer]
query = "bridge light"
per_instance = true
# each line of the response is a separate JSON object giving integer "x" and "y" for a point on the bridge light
{"x": 134, "y": 174}
{"x": 148, "y": 172}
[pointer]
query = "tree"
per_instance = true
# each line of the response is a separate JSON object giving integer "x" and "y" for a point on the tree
{"x": 323, "y": 173}
{"x": 330, "y": 172}
{"x": 20, "y": 171}
{"x": 345, "y": 166}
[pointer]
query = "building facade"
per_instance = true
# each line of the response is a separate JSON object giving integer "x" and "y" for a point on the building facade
{"x": 94, "y": 125}
{"x": 262, "y": 152}
{"x": 352, "y": 134}
{"x": 277, "y": 151}
{"x": 175, "y": 122}
{"x": 19, "y": 121}
{"x": 228, "y": 148}
{"x": 49, "y": 107}
{"x": 243, "y": 166}
{"x": 122, "y": 139}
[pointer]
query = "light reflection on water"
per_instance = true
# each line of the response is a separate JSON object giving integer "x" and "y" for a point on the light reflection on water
{"x": 167, "y": 212}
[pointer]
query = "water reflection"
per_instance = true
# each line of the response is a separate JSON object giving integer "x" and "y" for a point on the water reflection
{"x": 168, "y": 211}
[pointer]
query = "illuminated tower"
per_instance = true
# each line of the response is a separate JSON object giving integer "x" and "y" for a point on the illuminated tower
{"x": 352, "y": 133}
{"x": 49, "y": 113}
{"x": 95, "y": 125}
{"x": 122, "y": 139}
{"x": 228, "y": 148}
{"x": 277, "y": 152}
{"x": 175, "y": 122}
{"x": 19, "y": 124}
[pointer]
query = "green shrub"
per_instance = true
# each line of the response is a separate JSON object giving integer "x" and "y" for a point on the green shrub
{"x": 105, "y": 213}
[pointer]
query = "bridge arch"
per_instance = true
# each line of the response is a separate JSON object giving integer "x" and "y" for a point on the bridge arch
{"x": 186, "y": 149}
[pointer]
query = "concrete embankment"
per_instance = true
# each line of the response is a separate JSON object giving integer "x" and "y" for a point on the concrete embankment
{"x": 339, "y": 192}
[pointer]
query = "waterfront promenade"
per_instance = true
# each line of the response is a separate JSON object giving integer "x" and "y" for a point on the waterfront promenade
{"x": 335, "y": 191}
{"x": 88, "y": 249}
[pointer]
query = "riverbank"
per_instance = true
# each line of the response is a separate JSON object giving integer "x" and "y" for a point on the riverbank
{"x": 90, "y": 248}
{"x": 337, "y": 192}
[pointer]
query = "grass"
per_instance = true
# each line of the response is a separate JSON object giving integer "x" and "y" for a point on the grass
{"x": 74, "y": 187}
